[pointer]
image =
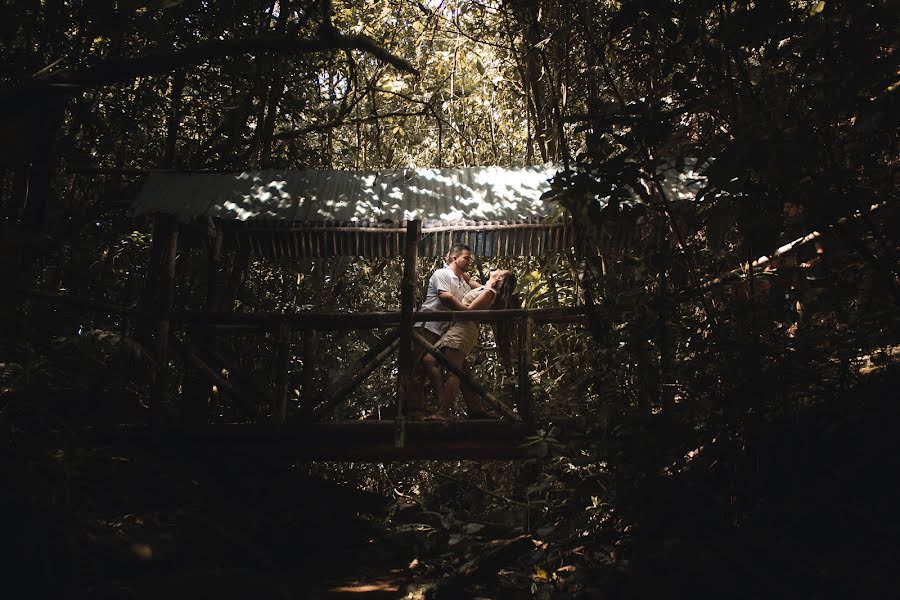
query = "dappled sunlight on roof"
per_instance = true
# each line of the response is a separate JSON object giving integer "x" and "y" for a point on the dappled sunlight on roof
{"x": 471, "y": 193}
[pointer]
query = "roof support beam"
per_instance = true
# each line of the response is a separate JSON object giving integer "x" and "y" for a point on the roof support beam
{"x": 407, "y": 308}
{"x": 167, "y": 228}
{"x": 525, "y": 397}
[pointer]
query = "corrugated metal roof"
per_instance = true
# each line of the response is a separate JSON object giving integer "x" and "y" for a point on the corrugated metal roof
{"x": 497, "y": 211}
{"x": 432, "y": 195}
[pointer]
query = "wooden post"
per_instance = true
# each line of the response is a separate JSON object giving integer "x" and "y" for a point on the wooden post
{"x": 407, "y": 301}
{"x": 350, "y": 381}
{"x": 526, "y": 399}
{"x": 167, "y": 227}
{"x": 213, "y": 302}
{"x": 283, "y": 365}
{"x": 310, "y": 347}
{"x": 195, "y": 386}
{"x": 214, "y": 268}
{"x": 149, "y": 295}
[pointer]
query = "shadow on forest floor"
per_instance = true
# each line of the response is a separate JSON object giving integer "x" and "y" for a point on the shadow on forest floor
{"x": 806, "y": 508}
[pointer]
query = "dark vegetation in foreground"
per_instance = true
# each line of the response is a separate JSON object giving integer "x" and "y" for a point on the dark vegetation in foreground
{"x": 800, "y": 507}
{"x": 725, "y": 440}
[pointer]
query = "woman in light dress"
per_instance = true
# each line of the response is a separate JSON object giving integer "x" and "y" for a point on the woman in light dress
{"x": 460, "y": 338}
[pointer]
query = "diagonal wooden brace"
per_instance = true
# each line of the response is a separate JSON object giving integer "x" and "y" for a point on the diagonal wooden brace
{"x": 351, "y": 380}
{"x": 464, "y": 378}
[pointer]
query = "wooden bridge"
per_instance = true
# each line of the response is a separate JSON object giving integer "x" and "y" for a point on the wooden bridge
{"x": 290, "y": 215}
{"x": 399, "y": 438}
{"x": 267, "y": 426}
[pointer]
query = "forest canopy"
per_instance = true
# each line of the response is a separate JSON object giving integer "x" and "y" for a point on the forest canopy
{"x": 708, "y": 357}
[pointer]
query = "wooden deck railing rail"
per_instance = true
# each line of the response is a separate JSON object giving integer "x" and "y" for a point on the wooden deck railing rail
{"x": 324, "y": 321}
{"x": 282, "y": 327}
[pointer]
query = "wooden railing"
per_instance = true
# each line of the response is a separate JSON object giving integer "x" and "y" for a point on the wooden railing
{"x": 330, "y": 321}
{"x": 282, "y": 327}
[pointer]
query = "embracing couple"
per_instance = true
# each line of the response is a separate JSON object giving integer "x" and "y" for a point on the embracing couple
{"x": 450, "y": 288}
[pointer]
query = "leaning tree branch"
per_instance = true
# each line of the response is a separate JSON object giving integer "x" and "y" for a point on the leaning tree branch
{"x": 118, "y": 70}
{"x": 764, "y": 261}
{"x": 156, "y": 63}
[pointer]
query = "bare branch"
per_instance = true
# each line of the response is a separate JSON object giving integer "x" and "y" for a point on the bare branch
{"x": 155, "y": 63}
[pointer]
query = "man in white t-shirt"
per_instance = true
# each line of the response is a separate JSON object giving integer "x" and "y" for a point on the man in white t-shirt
{"x": 451, "y": 278}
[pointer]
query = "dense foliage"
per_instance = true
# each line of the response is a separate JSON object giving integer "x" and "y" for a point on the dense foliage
{"x": 696, "y": 435}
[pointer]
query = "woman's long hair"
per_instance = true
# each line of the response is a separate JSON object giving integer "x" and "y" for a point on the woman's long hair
{"x": 505, "y": 331}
